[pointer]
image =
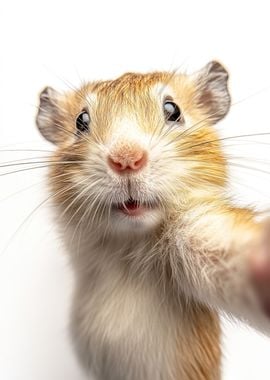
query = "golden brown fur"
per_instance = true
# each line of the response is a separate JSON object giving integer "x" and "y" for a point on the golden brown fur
{"x": 148, "y": 291}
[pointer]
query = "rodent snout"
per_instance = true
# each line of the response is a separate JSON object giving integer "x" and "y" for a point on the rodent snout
{"x": 127, "y": 157}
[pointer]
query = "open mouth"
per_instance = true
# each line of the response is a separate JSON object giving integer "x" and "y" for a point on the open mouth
{"x": 132, "y": 207}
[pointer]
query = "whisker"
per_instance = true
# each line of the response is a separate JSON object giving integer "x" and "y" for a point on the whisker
{"x": 84, "y": 214}
{"x": 49, "y": 164}
{"x": 22, "y": 190}
{"x": 249, "y": 168}
{"x": 41, "y": 162}
{"x": 250, "y": 159}
{"x": 230, "y": 138}
{"x": 26, "y": 150}
{"x": 23, "y": 170}
{"x": 27, "y": 218}
{"x": 35, "y": 184}
{"x": 86, "y": 190}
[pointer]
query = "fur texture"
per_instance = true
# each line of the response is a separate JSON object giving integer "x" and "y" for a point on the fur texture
{"x": 148, "y": 287}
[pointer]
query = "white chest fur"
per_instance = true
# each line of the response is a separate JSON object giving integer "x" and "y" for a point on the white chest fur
{"x": 124, "y": 328}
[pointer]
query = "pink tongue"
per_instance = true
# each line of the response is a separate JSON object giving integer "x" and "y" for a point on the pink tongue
{"x": 132, "y": 208}
{"x": 131, "y": 205}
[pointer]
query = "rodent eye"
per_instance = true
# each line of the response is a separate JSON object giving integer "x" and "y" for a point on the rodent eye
{"x": 171, "y": 111}
{"x": 83, "y": 121}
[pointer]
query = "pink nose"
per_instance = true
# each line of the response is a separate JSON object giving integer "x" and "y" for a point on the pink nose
{"x": 127, "y": 160}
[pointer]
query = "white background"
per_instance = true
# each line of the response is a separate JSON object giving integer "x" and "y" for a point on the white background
{"x": 59, "y": 44}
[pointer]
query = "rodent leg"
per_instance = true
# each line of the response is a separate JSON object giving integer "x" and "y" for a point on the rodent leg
{"x": 225, "y": 260}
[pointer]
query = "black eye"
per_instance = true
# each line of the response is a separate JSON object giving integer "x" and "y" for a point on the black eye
{"x": 83, "y": 121}
{"x": 171, "y": 111}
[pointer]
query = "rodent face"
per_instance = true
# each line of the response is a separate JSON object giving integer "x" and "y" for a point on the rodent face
{"x": 130, "y": 150}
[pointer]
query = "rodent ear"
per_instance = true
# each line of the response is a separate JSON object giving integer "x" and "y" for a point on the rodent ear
{"x": 213, "y": 93}
{"x": 48, "y": 115}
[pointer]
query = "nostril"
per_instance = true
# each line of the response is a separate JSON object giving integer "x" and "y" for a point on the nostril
{"x": 128, "y": 162}
{"x": 140, "y": 162}
{"x": 116, "y": 165}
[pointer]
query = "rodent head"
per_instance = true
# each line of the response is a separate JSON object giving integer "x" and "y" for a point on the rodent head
{"x": 130, "y": 150}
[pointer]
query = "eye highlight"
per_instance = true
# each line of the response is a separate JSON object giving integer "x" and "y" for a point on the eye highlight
{"x": 83, "y": 121}
{"x": 171, "y": 111}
